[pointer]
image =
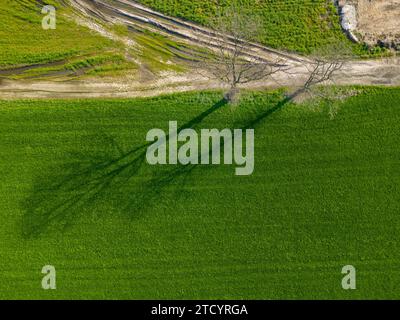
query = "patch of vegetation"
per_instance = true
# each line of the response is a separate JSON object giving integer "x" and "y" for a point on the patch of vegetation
{"x": 106, "y": 64}
{"x": 300, "y": 25}
{"x": 76, "y": 193}
{"x": 296, "y": 25}
{"x": 24, "y": 42}
{"x": 160, "y": 53}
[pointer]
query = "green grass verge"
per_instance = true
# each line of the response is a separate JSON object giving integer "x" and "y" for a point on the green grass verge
{"x": 324, "y": 194}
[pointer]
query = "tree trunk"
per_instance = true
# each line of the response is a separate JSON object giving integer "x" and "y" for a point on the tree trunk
{"x": 232, "y": 96}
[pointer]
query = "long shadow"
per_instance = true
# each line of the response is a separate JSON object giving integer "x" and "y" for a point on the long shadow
{"x": 179, "y": 175}
{"x": 78, "y": 186}
{"x": 252, "y": 124}
{"x": 113, "y": 177}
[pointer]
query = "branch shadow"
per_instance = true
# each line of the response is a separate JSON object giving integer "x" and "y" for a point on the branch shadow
{"x": 66, "y": 192}
{"x": 114, "y": 177}
{"x": 179, "y": 175}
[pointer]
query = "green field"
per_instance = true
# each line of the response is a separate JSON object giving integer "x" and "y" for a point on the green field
{"x": 76, "y": 193}
{"x": 24, "y": 42}
{"x": 72, "y": 49}
{"x": 69, "y": 50}
{"x": 296, "y": 25}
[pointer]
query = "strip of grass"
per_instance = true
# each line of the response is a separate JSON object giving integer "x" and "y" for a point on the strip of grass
{"x": 324, "y": 194}
{"x": 107, "y": 64}
{"x": 295, "y": 25}
{"x": 24, "y": 42}
{"x": 300, "y": 25}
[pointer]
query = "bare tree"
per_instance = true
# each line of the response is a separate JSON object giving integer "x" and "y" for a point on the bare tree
{"x": 232, "y": 59}
{"x": 321, "y": 69}
{"x": 325, "y": 63}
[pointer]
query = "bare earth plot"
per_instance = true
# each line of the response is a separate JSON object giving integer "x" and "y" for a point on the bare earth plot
{"x": 380, "y": 20}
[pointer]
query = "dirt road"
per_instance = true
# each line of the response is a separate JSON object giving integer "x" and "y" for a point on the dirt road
{"x": 372, "y": 72}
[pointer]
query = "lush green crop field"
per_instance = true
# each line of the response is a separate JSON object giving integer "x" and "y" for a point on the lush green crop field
{"x": 298, "y": 25}
{"x": 75, "y": 194}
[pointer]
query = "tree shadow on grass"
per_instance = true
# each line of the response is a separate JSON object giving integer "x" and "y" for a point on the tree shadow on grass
{"x": 113, "y": 177}
{"x": 81, "y": 185}
{"x": 179, "y": 175}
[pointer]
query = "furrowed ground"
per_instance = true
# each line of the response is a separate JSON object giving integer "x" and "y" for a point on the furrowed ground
{"x": 76, "y": 193}
{"x": 73, "y": 49}
{"x": 69, "y": 50}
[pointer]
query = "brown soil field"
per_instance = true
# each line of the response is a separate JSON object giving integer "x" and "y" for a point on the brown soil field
{"x": 378, "y": 21}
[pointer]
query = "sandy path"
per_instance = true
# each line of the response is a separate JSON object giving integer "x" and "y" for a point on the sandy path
{"x": 383, "y": 72}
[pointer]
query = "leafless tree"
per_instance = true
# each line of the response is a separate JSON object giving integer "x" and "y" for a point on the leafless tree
{"x": 325, "y": 63}
{"x": 232, "y": 59}
{"x": 322, "y": 67}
